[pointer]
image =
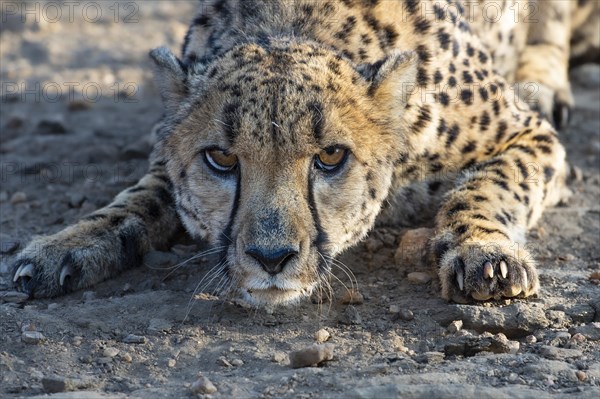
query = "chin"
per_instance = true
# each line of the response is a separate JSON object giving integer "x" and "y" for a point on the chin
{"x": 274, "y": 296}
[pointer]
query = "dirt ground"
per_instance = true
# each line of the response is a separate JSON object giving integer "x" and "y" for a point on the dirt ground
{"x": 77, "y": 104}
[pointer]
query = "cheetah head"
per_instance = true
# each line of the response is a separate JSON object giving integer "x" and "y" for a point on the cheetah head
{"x": 281, "y": 156}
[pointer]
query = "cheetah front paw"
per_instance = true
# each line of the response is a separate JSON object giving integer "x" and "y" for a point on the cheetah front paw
{"x": 75, "y": 258}
{"x": 487, "y": 271}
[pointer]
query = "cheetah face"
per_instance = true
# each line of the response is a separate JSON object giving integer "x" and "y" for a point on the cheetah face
{"x": 281, "y": 157}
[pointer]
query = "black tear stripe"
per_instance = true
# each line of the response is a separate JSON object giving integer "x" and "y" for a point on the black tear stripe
{"x": 321, "y": 235}
{"x": 225, "y": 238}
{"x": 226, "y": 235}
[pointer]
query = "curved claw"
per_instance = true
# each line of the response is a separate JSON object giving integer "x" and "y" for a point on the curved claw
{"x": 488, "y": 270}
{"x": 23, "y": 271}
{"x": 561, "y": 115}
{"x": 460, "y": 279}
{"x": 525, "y": 281}
{"x": 64, "y": 273}
{"x": 503, "y": 269}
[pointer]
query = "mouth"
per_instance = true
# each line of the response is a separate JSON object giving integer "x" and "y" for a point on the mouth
{"x": 274, "y": 296}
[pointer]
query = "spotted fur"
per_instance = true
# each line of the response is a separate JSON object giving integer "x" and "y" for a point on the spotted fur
{"x": 419, "y": 94}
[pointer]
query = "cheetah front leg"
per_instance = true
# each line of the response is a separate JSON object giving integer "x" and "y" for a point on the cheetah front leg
{"x": 102, "y": 244}
{"x": 542, "y": 73}
{"x": 479, "y": 244}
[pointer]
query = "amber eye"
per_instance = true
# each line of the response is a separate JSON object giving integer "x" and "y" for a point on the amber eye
{"x": 331, "y": 158}
{"x": 220, "y": 160}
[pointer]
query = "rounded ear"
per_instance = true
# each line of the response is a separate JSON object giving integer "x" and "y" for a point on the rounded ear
{"x": 393, "y": 78}
{"x": 171, "y": 77}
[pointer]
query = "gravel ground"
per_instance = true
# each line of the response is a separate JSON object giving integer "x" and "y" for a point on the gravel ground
{"x": 77, "y": 105}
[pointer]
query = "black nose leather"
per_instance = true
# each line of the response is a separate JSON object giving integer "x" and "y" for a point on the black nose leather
{"x": 272, "y": 260}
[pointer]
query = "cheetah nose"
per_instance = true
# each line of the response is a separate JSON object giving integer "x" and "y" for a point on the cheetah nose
{"x": 272, "y": 260}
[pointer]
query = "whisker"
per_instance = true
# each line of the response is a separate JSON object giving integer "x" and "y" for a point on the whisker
{"x": 211, "y": 251}
{"x": 331, "y": 273}
{"x": 346, "y": 270}
{"x": 214, "y": 271}
{"x": 225, "y": 235}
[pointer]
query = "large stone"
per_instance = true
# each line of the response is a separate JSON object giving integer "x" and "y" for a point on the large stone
{"x": 470, "y": 346}
{"x": 55, "y": 383}
{"x": 32, "y": 337}
{"x": 514, "y": 321}
{"x": 555, "y": 353}
{"x": 311, "y": 355}
{"x": 350, "y": 316}
{"x": 580, "y": 312}
{"x": 412, "y": 250}
{"x": 591, "y": 331}
{"x": 13, "y": 296}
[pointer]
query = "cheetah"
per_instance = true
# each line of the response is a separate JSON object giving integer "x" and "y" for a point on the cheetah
{"x": 293, "y": 127}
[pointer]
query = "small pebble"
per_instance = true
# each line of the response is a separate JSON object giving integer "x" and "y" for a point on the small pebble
{"x": 578, "y": 337}
{"x": 203, "y": 386}
{"x": 455, "y": 326}
{"x": 419, "y": 278}
{"x": 224, "y": 362}
{"x": 350, "y": 316}
{"x": 134, "y": 339}
{"x": 53, "y": 125}
{"x": 581, "y": 376}
{"x": 53, "y": 306}
{"x": 77, "y": 341}
{"x": 32, "y": 337}
{"x": 404, "y": 314}
{"x": 110, "y": 352}
{"x": 79, "y": 105}
{"x": 126, "y": 357}
{"x": 352, "y": 297}
{"x": 322, "y": 335}
{"x": 311, "y": 355}
{"x": 279, "y": 357}
{"x": 531, "y": 339}
{"x": 171, "y": 363}
{"x": 237, "y": 362}
{"x": 18, "y": 197}
{"x": 394, "y": 309}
